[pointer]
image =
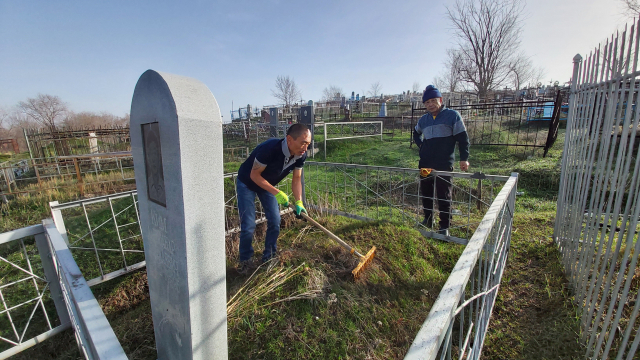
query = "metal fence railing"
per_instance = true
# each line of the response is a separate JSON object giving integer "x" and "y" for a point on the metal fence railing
{"x": 457, "y": 323}
{"x": 526, "y": 126}
{"x": 41, "y": 174}
{"x": 597, "y": 217}
{"x": 42, "y": 293}
{"x": 64, "y": 142}
{"x": 347, "y": 130}
{"x": 35, "y": 175}
{"x": 393, "y": 194}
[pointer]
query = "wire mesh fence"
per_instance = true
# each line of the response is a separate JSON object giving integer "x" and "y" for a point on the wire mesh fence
{"x": 597, "y": 217}
{"x": 393, "y": 194}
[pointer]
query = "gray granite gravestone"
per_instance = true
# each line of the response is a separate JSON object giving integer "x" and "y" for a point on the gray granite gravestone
{"x": 176, "y": 142}
{"x": 273, "y": 122}
{"x": 306, "y": 117}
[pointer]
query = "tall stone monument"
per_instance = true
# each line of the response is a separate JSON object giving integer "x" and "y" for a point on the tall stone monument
{"x": 176, "y": 141}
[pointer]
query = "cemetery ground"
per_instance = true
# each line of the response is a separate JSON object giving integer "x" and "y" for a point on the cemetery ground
{"x": 307, "y": 306}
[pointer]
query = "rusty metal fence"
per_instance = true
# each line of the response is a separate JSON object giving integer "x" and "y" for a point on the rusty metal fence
{"x": 525, "y": 126}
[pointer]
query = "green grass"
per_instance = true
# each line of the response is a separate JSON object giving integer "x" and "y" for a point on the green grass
{"x": 374, "y": 317}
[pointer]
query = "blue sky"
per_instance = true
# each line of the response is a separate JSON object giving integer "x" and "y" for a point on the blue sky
{"x": 91, "y": 53}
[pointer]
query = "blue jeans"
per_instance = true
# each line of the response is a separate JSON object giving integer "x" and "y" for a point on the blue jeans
{"x": 247, "y": 210}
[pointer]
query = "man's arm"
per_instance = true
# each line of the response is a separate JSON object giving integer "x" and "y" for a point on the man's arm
{"x": 296, "y": 184}
{"x": 256, "y": 177}
{"x": 463, "y": 146}
{"x": 416, "y": 138}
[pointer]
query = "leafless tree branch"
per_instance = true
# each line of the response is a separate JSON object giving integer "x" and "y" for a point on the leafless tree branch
{"x": 332, "y": 93}
{"x": 487, "y": 33}
{"x": 375, "y": 89}
{"x": 46, "y": 110}
{"x": 286, "y": 90}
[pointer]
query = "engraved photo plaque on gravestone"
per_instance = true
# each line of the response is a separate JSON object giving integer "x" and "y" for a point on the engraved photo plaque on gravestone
{"x": 153, "y": 163}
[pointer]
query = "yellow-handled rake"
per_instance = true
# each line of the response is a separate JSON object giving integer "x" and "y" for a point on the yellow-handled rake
{"x": 365, "y": 260}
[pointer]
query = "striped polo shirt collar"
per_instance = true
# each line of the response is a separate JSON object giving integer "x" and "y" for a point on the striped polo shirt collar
{"x": 288, "y": 159}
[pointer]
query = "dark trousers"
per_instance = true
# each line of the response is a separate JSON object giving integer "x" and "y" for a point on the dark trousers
{"x": 443, "y": 191}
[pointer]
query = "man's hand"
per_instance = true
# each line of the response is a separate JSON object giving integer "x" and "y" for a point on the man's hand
{"x": 282, "y": 198}
{"x": 299, "y": 209}
{"x": 464, "y": 165}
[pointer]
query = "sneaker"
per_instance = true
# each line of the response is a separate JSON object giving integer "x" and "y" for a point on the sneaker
{"x": 427, "y": 222}
{"x": 246, "y": 267}
{"x": 443, "y": 232}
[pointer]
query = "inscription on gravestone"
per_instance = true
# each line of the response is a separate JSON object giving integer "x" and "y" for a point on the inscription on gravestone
{"x": 153, "y": 163}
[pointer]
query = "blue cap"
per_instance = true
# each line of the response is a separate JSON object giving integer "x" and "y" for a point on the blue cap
{"x": 430, "y": 92}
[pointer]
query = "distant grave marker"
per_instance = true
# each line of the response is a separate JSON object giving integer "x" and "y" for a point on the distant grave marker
{"x": 273, "y": 121}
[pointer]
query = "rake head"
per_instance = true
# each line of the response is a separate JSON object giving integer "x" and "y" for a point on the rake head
{"x": 364, "y": 262}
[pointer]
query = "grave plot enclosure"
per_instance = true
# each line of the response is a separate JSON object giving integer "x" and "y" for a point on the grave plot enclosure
{"x": 482, "y": 213}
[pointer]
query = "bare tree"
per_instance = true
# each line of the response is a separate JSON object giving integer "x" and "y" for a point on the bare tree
{"x": 631, "y": 7}
{"x": 488, "y": 36}
{"x": 91, "y": 119}
{"x": 332, "y": 93}
{"x": 416, "y": 87}
{"x": 46, "y": 110}
{"x": 450, "y": 80}
{"x": 375, "y": 89}
{"x": 286, "y": 90}
{"x": 4, "y": 117}
{"x": 523, "y": 72}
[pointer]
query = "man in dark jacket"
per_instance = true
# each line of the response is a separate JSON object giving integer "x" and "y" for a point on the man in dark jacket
{"x": 268, "y": 164}
{"x": 436, "y": 134}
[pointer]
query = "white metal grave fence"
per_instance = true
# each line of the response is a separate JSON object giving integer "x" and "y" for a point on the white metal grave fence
{"x": 393, "y": 194}
{"x": 598, "y": 209}
{"x": 43, "y": 293}
{"x": 457, "y": 323}
{"x": 356, "y": 191}
{"x": 349, "y": 130}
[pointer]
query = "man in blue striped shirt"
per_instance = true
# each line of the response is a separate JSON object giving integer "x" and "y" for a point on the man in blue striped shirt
{"x": 436, "y": 134}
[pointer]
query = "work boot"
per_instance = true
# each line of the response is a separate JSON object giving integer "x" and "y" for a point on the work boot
{"x": 246, "y": 267}
{"x": 444, "y": 232}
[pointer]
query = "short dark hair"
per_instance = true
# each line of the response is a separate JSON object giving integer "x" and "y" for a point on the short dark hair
{"x": 296, "y": 130}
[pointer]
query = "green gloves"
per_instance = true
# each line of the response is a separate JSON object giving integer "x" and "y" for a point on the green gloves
{"x": 299, "y": 209}
{"x": 282, "y": 198}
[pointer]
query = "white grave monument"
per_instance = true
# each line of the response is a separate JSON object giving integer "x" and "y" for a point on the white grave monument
{"x": 176, "y": 141}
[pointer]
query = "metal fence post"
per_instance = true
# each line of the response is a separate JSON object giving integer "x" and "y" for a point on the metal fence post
{"x": 58, "y": 220}
{"x": 325, "y": 141}
{"x": 577, "y": 60}
{"x": 78, "y": 176}
{"x": 51, "y": 274}
{"x": 35, "y": 168}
